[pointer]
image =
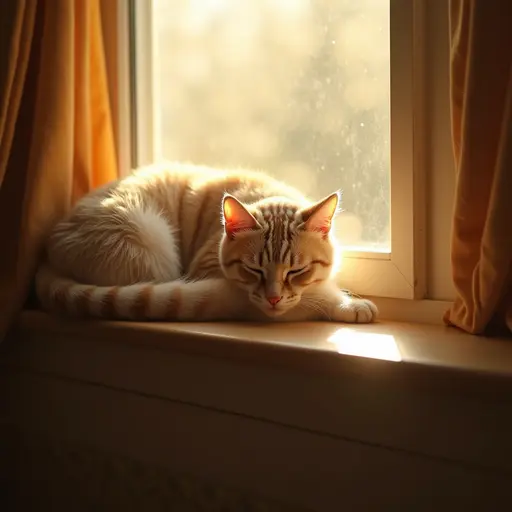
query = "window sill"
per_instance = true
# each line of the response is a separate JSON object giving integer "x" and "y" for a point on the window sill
{"x": 425, "y": 390}
{"x": 402, "y": 347}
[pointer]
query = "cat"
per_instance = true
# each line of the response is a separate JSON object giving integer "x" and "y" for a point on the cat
{"x": 181, "y": 242}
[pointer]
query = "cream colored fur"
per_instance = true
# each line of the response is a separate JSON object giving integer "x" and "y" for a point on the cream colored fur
{"x": 182, "y": 242}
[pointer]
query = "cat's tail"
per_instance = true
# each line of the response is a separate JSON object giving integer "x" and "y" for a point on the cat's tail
{"x": 173, "y": 301}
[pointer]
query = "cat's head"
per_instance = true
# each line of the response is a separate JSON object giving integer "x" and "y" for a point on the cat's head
{"x": 275, "y": 249}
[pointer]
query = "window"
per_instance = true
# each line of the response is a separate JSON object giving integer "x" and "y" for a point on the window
{"x": 318, "y": 93}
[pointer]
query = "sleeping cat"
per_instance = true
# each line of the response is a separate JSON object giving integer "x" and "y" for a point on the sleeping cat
{"x": 188, "y": 243}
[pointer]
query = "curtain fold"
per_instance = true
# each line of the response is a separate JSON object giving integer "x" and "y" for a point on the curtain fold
{"x": 16, "y": 33}
{"x": 481, "y": 103}
{"x": 55, "y": 127}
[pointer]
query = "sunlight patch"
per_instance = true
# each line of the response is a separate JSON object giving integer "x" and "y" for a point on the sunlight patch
{"x": 365, "y": 344}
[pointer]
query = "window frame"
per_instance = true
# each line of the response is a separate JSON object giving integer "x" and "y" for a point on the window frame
{"x": 144, "y": 144}
{"x": 399, "y": 274}
{"x": 116, "y": 38}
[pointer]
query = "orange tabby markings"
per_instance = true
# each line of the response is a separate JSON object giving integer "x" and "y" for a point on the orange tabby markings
{"x": 174, "y": 305}
{"x": 200, "y": 311}
{"x": 179, "y": 210}
{"x": 141, "y": 303}
{"x": 109, "y": 309}
{"x": 200, "y": 219}
{"x": 61, "y": 298}
{"x": 82, "y": 301}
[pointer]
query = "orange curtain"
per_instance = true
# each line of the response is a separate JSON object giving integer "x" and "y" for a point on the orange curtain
{"x": 56, "y": 138}
{"x": 481, "y": 99}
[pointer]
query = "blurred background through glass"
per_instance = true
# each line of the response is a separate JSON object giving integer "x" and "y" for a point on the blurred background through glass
{"x": 297, "y": 88}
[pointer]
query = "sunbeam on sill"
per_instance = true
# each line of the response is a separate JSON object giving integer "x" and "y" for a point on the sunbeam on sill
{"x": 365, "y": 344}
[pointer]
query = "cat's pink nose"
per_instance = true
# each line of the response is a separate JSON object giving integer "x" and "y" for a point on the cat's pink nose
{"x": 274, "y": 300}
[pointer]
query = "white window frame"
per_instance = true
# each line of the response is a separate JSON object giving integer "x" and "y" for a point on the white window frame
{"x": 399, "y": 274}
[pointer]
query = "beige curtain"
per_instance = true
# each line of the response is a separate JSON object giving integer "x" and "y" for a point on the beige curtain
{"x": 56, "y": 139}
{"x": 481, "y": 99}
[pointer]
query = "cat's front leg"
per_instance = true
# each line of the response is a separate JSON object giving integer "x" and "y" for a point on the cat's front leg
{"x": 339, "y": 306}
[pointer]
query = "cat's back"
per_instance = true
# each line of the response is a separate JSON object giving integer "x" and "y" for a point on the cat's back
{"x": 183, "y": 193}
{"x": 157, "y": 209}
{"x": 191, "y": 195}
{"x": 199, "y": 181}
{"x": 188, "y": 192}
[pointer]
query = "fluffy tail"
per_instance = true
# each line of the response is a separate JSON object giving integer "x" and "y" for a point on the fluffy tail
{"x": 173, "y": 301}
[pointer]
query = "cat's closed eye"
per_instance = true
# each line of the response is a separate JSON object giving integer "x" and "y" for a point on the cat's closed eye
{"x": 256, "y": 271}
{"x": 299, "y": 275}
{"x": 297, "y": 271}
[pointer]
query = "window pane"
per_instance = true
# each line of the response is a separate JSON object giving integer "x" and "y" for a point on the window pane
{"x": 297, "y": 88}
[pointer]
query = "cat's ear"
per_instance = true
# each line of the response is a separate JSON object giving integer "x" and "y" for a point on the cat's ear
{"x": 318, "y": 217}
{"x": 236, "y": 216}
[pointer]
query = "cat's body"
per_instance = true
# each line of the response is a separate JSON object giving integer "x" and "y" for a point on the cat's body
{"x": 191, "y": 243}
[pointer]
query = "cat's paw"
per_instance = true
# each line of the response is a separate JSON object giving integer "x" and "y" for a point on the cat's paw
{"x": 356, "y": 311}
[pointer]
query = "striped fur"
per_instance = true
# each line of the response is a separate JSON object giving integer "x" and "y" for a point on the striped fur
{"x": 189, "y": 243}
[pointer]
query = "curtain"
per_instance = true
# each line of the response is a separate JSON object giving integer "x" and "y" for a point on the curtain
{"x": 481, "y": 100}
{"x": 56, "y": 139}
